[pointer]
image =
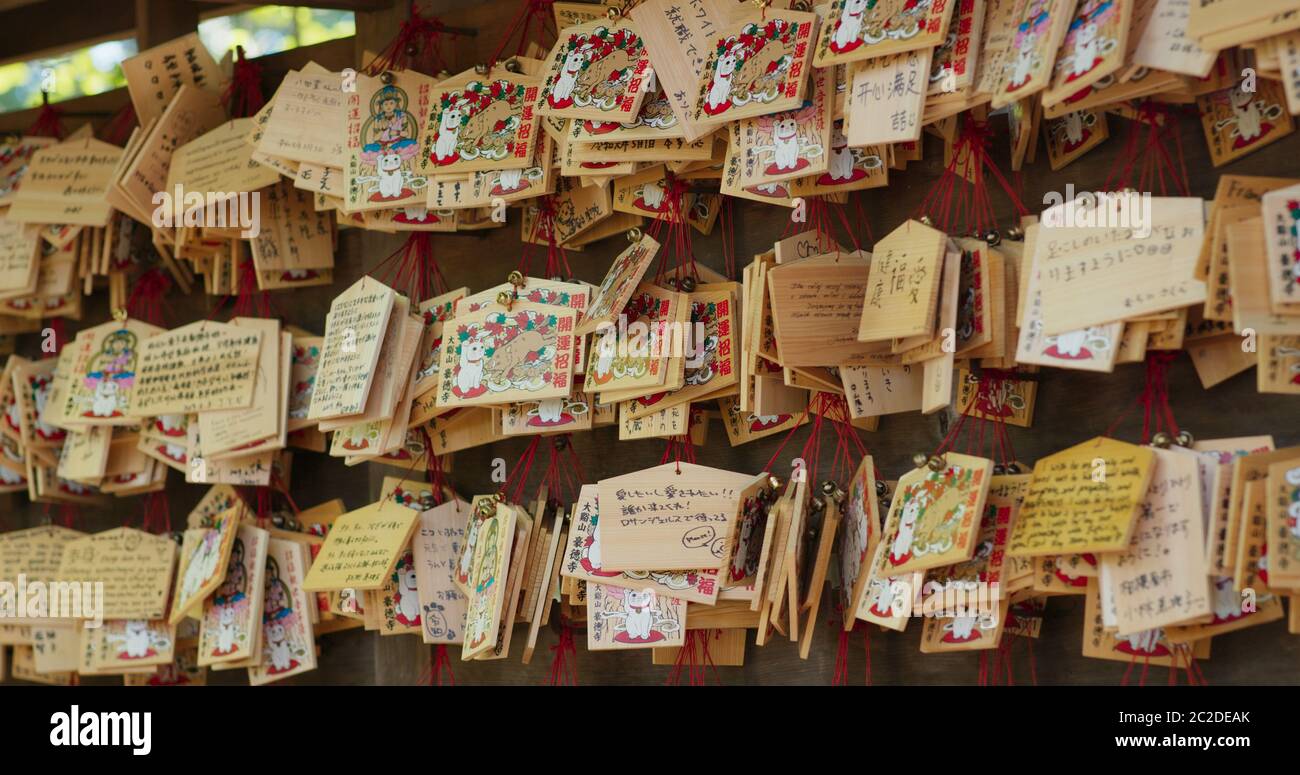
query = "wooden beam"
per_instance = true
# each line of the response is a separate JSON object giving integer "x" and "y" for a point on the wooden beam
{"x": 158, "y": 21}
{"x": 329, "y": 5}
{"x": 54, "y": 26}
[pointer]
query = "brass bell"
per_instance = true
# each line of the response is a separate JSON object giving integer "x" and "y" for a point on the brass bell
{"x": 613, "y": 13}
{"x": 882, "y": 489}
{"x": 937, "y": 463}
{"x": 687, "y": 284}
{"x": 386, "y": 77}
{"x": 920, "y": 459}
{"x": 504, "y": 298}
{"x": 1015, "y": 233}
{"x": 515, "y": 278}
{"x": 774, "y": 481}
{"x": 512, "y": 65}
{"x": 481, "y": 69}
{"x": 1184, "y": 439}
{"x": 634, "y": 234}
{"x": 1162, "y": 440}
{"x": 828, "y": 487}
{"x": 993, "y": 238}
{"x": 999, "y": 469}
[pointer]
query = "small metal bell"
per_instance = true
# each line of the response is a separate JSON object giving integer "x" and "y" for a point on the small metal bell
{"x": 818, "y": 503}
{"x": 925, "y": 219}
{"x": 512, "y": 65}
{"x": 671, "y": 282}
{"x": 178, "y": 536}
{"x": 774, "y": 481}
{"x": 937, "y": 463}
{"x": 481, "y": 69}
{"x": 999, "y": 469}
{"x": 412, "y": 49}
{"x": 992, "y": 237}
{"x": 882, "y": 489}
{"x": 687, "y": 284}
{"x": 828, "y": 487}
{"x": 613, "y": 13}
{"x": 920, "y": 459}
{"x": 386, "y": 77}
{"x": 278, "y": 520}
{"x": 1015, "y": 233}
{"x": 1162, "y": 440}
{"x": 515, "y": 278}
{"x": 1013, "y": 467}
{"x": 1184, "y": 439}
{"x": 504, "y": 298}
{"x": 634, "y": 234}
{"x": 556, "y": 279}
{"x": 291, "y": 523}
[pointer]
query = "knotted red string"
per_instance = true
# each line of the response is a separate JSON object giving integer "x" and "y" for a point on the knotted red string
{"x": 841, "y": 674}
{"x": 728, "y": 235}
{"x": 1142, "y": 679}
{"x": 534, "y": 21}
{"x": 823, "y": 215}
{"x": 564, "y": 665}
{"x": 697, "y": 641}
{"x": 438, "y": 669}
{"x": 678, "y": 251}
{"x": 513, "y": 487}
{"x": 417, "y": 46}
{"x": 557, "y": 261}
{"x": 147, "y": 300}
{"x": 47, "y": 120}
{"x": 117, "y": 130}
{"x": 990, "y": 390}
{"x": 243, "y": 97}
{"x": 157, "y": 515}
{"x": 951, "y": 206}
{"x": 1145, "y": 163}
{"x": 1157, "y": 415}
{"x": 678, "y": 448}
{"x": 563, "y": 475}
{"x": 59, "y": 336}
{"x": 412, "y": 269}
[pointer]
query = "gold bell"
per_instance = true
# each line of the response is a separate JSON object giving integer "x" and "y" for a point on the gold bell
{"x": 512, "y": 65}
{"x": 481, "y": 69}
{"x": 774, "y": 481}
{"x": 920, "y": 459}
{"x": 613, "y": 13}
{"x": 926, "y": 220}
{"x": 937, "y": 463}
{"x": 1184, "y": 439}
{"x": 515, "y": 278}
{"x": 1162, "y": 440}
{"x": 634, "y": 234}
{"x": 505, "y": 298}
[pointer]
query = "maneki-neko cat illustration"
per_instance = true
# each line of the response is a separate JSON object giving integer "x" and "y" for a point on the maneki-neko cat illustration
{"x": 281, "y": 649}
{"x": 787, "y": 151}
{"x": 506, "y": 351}
{"x": 137, "y": 639}
{"x": 405, "y": 595}
{"x": 868, "y": 22}
{"x": 595, "y": 68}
{"x": 754, "y": 65}
{"x": 38, "y": 391}
{"x": 1080, "y": 344}
{"x": 918, "y": 534}
{"x": 847, "y": 165}
{"x": 390, "y": 138}
{"x": 632, "y": 618}
{"x": 1024, "y": 57}
{"x": 111, "y": 372}
{"x": 1086, "y": 42}
{"x": 1253, "y": 116}
{"x": 481, "y": 122}
{"x": 1073, "y": 130}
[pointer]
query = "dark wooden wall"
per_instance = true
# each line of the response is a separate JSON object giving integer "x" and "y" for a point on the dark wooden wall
{"x": 1071, "y": 406}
